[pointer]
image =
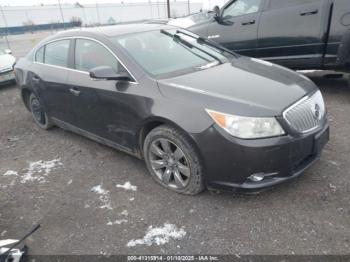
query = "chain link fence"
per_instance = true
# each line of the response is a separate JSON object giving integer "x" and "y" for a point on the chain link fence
{"x": 23, "y": 26}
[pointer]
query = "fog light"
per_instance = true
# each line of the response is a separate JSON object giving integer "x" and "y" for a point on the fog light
{"x": 257, "y": 177}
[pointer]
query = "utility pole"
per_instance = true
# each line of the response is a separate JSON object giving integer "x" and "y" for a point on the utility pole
{"x": 188, "y": 6}
{"x": 59, "y": 4}
{"x": 6, "y": 26}
{"x": 158, "y": 9}
{"x": 168, "y": 7}
{"x": 98, "y": 14}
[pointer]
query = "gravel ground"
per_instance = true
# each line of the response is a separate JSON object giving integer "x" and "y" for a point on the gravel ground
{"x": 78, "y": 191}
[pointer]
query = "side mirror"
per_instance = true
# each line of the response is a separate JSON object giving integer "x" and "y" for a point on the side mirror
{"x": 107, "y": 73}
{"x": 8, "y": 51}
{"x": 217, "y": 13}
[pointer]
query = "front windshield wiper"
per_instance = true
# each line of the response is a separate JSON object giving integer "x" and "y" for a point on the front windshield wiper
{"x": 209, "y": 65}
{"x": 202, "y": 40}
{"x": 189, "y": 44}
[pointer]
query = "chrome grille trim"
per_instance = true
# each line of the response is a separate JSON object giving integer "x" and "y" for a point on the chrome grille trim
{"x": 302, "y": 116}
{"x": 6, "y": 70}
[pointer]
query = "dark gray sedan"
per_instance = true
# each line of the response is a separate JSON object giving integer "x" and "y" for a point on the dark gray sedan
{"x": 200, "y": 115}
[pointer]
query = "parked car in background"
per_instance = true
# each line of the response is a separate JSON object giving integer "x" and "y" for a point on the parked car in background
{"x": 199, "y": 115}
{"x": 7, "y": 61}
{"x": 310, "y": 34}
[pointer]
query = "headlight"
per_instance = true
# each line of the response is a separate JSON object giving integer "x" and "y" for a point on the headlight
{"x": 247, "y": 127}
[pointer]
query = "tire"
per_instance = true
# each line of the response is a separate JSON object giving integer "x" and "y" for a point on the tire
{"x": 173, "y": 161}
{"x": 38, "y": 113}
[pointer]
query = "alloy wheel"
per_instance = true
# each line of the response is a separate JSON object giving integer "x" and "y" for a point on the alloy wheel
{"x": 169, "y": 163}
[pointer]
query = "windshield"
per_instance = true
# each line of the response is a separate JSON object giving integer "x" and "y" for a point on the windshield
{"x": 170, "y": 52}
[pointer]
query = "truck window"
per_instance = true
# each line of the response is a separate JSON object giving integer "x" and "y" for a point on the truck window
{"x": 242, "y": 7}
{"x": 276, "y": 4}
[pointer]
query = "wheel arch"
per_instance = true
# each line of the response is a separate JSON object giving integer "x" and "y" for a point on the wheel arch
{"x": 25, "y": 94}
{"x": 153, "y": 123}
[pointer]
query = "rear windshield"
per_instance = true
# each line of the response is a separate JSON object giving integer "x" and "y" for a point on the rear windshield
{"x": 160, "y": 53}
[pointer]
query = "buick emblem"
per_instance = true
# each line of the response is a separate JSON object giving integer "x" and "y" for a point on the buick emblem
{"x": 316, "y": 111}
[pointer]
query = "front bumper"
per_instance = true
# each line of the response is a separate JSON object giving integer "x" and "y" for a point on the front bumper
{"x": 7, "y": 77}
{"x": 229, "y": 162}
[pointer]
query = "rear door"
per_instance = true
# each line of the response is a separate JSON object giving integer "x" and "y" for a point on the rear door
{"x": 292, "y": 32}
{"x": 49, "y": 78}
{"x": 238, "y": 27}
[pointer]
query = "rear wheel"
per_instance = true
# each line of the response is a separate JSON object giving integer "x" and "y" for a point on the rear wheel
{"x": 173, "y": 161}
{"x": 38, "y": 112}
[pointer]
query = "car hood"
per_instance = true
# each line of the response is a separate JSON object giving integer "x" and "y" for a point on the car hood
{"x": 247, "y": 87}
{"x": 6, "y": 61}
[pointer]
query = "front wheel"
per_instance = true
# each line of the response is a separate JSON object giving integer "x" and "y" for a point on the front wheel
{"x": 39, "y": 114}
{"x": 173, "y": 161}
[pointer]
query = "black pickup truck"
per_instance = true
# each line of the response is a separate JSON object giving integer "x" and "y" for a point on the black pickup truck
{"x": 300, "y": 34}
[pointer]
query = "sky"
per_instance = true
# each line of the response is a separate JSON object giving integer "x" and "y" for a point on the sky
{"x": 50, "y": 2}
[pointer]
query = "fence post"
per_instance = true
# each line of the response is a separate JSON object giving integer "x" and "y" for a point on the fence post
{"x": 6, "y": 26}
{"x": 98, "y": 14}
{"x": 168, "y": 7}
{"x": 59, "y": 3}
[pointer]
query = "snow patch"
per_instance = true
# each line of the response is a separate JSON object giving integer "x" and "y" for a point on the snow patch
{"x": 10, "y": 173}
{"x": 127, "y": 186}
{"x": 333, "y": 163}
{"x": 117, "y": 222}
{"x": 159, "y": 235}
{"x": 124, "y": 213}
{"x": 37, "y": 171}
{"x": 7, "y": 242}
{"x": 103, "y": 196}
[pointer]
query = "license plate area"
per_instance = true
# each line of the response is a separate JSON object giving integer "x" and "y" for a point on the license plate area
{"x": 320, "y": 141}
{"x": 7, "y": 76}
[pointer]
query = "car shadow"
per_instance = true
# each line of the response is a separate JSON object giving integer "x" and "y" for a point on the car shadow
{"x": 5, "y": 87}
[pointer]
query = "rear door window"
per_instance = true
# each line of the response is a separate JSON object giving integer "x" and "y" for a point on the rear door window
{"x": 39, "y": 56}
{"x": 56, "y": 53}
{"x": 276, "y": 4}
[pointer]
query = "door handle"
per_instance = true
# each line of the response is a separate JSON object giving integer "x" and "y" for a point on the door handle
{"x": 313, "y": 12}
{"x": 74, "y": 91}
{"x": 251, "y": 22}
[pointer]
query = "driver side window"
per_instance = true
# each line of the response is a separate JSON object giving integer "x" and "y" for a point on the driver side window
{"x": 89, "y": 54}
{"x": 242, "y": 7}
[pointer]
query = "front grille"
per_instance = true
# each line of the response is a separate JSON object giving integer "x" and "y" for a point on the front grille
{"x": 307, "y": 114}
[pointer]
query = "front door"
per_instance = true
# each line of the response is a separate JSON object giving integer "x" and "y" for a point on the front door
{"x": 104, "y": 108}
{"x": 292, "y": 32}
{"x": 237, "y": 29}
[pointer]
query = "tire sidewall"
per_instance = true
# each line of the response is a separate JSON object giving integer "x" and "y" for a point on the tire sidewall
{"x": 47, "y": 124}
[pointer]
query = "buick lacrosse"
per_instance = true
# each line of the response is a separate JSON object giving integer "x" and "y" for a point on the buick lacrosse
{"x": 199, "y": 115}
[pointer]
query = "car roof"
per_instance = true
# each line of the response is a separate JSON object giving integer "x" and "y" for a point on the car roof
{"x": 117, "y": 30}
